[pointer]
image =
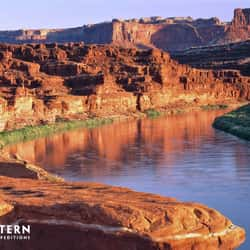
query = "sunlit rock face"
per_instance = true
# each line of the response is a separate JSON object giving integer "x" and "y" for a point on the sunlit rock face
{"x": 45, "y": 82}
{"x": 240, "y": 27}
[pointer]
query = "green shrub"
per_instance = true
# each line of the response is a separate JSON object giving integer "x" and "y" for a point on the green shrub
{"x": 214, "y": 107}
{"x": 152, "y": 113}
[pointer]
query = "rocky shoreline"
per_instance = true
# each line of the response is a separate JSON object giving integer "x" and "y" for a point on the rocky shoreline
{"x": 97, "y": 216}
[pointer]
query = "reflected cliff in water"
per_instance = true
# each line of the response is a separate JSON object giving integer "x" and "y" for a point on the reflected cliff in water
{"x": 161, "y": 141}
{"x": 180, "y": 156}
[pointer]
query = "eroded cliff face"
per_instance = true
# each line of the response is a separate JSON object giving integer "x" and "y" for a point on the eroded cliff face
{"x": 44, "y": 83}
{"x": 176, "y": 34}
{"x": 170, "y": 34}
{"x": 167, "y": 34}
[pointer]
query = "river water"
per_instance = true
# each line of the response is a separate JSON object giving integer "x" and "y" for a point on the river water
{"x": 180, "y": 156}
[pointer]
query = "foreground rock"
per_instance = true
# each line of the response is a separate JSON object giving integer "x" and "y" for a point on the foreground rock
{"x": 94, "y": 216}
{"x": 171, "y": 34}
{"x": 14, "y": 167}
{"x": 236, "y": 122}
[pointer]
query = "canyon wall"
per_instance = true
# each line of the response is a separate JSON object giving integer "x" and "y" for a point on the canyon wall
{"x": 45, "y": 83}
{"x": 170, "y": 34}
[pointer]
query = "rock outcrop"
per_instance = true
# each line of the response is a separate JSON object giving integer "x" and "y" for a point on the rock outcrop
{"x": 240, "y": 27}
{"x": 47, "y": 82}
{"x": 95, "y": 216}
{"x": 169, "y": 34}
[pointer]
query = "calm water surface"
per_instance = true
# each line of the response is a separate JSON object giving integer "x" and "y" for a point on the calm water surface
{"x": 180, "y": 156}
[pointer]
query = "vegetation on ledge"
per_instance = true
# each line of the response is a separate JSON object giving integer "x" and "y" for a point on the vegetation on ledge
{"x": 33, "y": 132}
{"x": 214, "y": 107}
{"x": 152, "y": 113}
{"x": 236, "y": 122}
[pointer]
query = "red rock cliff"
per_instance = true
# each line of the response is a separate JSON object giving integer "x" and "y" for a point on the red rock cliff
{"x": 240, "y": 27}
{"x": 42, "y": 83}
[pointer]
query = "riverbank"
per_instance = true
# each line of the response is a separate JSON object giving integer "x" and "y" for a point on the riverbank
{"x": 37, "y": 131}
{"x": 236, "y": 122}
{"x": 98, "y": 216}
{"x": 33, "y": 132}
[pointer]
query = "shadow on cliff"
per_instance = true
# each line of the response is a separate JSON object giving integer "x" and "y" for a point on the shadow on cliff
{"x": 176, "y": 37}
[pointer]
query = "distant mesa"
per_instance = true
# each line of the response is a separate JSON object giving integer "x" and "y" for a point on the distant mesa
{"x": 169, "y": 34}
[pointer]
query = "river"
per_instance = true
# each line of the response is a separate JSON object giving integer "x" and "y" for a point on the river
{"x": 180, "y": 156}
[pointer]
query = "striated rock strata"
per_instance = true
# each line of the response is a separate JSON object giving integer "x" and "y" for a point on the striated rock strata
{"x": 94, "y": 216}
{"x": 229, "y": 56}
{"x": 49, "y": 82}
{"x": 170, "y": 34}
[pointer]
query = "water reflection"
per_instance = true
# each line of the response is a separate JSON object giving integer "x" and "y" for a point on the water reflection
{"x": 160, "y": 140}
{"x": 180, "y": 156}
